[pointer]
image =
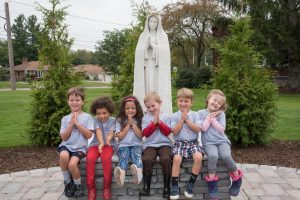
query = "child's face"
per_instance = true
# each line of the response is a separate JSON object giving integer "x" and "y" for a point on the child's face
{"x": 130, "y": 109}
{"x": 75, "y": 103}
{"x": 215, "y": 102}
{"x": 153, "y": 106}
{"x": 102, "y": 114}
{"x": 184, "y": 104}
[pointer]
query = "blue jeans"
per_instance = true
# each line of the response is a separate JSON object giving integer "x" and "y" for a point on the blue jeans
{"x": 134, "y": 153}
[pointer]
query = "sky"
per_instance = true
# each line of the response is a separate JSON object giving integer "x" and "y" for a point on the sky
{"x": 87, "y": 18}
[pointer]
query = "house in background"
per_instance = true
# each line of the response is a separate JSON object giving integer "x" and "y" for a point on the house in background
{"x": 94, "y": 72}
{"x": 30, "y": 69}
{"x": 33, "y": 70}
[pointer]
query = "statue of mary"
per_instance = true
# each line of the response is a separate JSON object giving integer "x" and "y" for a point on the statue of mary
{"x": 152, "y": 67}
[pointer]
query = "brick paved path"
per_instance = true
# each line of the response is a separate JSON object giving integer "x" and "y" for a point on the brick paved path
{"x": 260, "y": 182}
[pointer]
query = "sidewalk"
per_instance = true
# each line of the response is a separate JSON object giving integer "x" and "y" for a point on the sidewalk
{"x": 260, "y": 182}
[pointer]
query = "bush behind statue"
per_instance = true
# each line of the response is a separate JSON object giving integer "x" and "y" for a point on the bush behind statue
{"x": 193, "y": 78}
{"x": 249, "y": 89}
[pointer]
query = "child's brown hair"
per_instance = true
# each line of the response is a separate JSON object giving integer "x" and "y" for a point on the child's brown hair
{"x": 102, "y": 102}
{"x": 122, "y": 118}
{"x": 77, "y": 91}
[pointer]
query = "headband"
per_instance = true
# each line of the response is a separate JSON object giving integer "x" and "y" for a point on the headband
{"x": 129, "y": 99}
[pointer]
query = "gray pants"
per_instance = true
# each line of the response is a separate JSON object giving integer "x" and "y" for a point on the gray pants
{"x": 213, "y": 151}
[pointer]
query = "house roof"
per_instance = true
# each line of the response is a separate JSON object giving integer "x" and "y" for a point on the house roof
{"x": 32, "y": 65}
{"x": 90, "y": 69}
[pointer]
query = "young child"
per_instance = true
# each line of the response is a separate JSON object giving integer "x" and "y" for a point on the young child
{"x": 101, "y": 145}
{"x": 76, "y": 129}
{"x": 156, "y": 129}
{"x": 185, "y": 126}
{"x": 216, "y": 143}
{"x": 129, "y": 134}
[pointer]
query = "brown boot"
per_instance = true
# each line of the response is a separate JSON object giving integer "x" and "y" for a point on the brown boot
{"x": 91, "y": 192}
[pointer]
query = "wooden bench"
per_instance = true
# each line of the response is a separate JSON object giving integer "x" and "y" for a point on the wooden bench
{"x": 130, "y": 191}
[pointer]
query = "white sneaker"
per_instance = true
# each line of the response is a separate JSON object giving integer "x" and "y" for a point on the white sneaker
{"x": 119, "y": 176}
{"x": 139, "y": 176}
{"x": 134, "y": 173}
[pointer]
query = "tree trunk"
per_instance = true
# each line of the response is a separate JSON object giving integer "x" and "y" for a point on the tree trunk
{"x": 294, "y": 76}
{"x": 293, "y": 57}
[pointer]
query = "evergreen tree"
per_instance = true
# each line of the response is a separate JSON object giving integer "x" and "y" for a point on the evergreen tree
{"x": 25, "y": 33}
{"x": 3, "y": 53}
{"x": 33, "y": 28}
{"x": 49, "y": 103}
{"x": 249, "y": 89}
{"x": 20, "y": 36}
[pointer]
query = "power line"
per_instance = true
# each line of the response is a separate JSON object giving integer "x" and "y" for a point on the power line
{"x": 79, "y": 17}
{"x": 95, "y": 20}
{"x": 83, "y": 45}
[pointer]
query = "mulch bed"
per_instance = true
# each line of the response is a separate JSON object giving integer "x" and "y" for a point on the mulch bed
{"x": 277, "y": 153}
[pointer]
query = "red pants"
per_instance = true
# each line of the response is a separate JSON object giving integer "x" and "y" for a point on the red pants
{"x": 91, "y": 158}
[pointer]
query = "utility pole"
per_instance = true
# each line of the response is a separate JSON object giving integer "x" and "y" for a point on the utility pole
{"x": 10, "y": 49}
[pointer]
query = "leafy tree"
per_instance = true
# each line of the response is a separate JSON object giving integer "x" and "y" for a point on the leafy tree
{"x": 4, "y": 54}
{"x": 122, "y": 83}
{"x": 49, "y": 103}
{"x": 109, "y": 50}
{"x": 25, "y": 33}
{"x": 4, "y": 74}
{"x": 82, "y": 56}
{"x": 188, "y": 24}
{"x": 277, "y": 30}
{"x": 250, "y": 92}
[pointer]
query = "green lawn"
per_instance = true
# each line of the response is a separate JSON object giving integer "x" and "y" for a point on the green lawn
{"x": 14, "y": 114}
{"x": 288, "y": 122}
{"x": 94, "y": 84}
{"x": 20, "y": 84}
{"x": 23, "y": 84}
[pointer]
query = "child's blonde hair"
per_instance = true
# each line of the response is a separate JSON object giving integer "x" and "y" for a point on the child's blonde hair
{"x": 218, "y": 92}
{"x": 185, "y": 93}
{"x": 77, "y": 91}
{"x": 152, "y": 96}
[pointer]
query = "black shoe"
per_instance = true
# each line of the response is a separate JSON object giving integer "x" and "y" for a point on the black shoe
{"x": 166, "y": 191}
{"x": 69, "y": 189}
{"x": 147, "y": 183}
{"x": 78, "y": 191}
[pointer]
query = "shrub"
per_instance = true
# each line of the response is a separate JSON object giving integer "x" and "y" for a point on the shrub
{"x": 49, "y": 103}
{"x": 185, "y": 78}
{"x": 193, "y": 78}
{"x": 249, "y": 89}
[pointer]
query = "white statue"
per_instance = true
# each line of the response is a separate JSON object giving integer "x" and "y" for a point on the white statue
{"x": 152, "y": 67}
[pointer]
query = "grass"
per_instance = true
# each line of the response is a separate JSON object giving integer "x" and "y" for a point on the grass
{"x": 287, "y": 126}
{"x": 14, "y": 114}
{"x": 94, "y": 84}
{"x": 22, "y": 84}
